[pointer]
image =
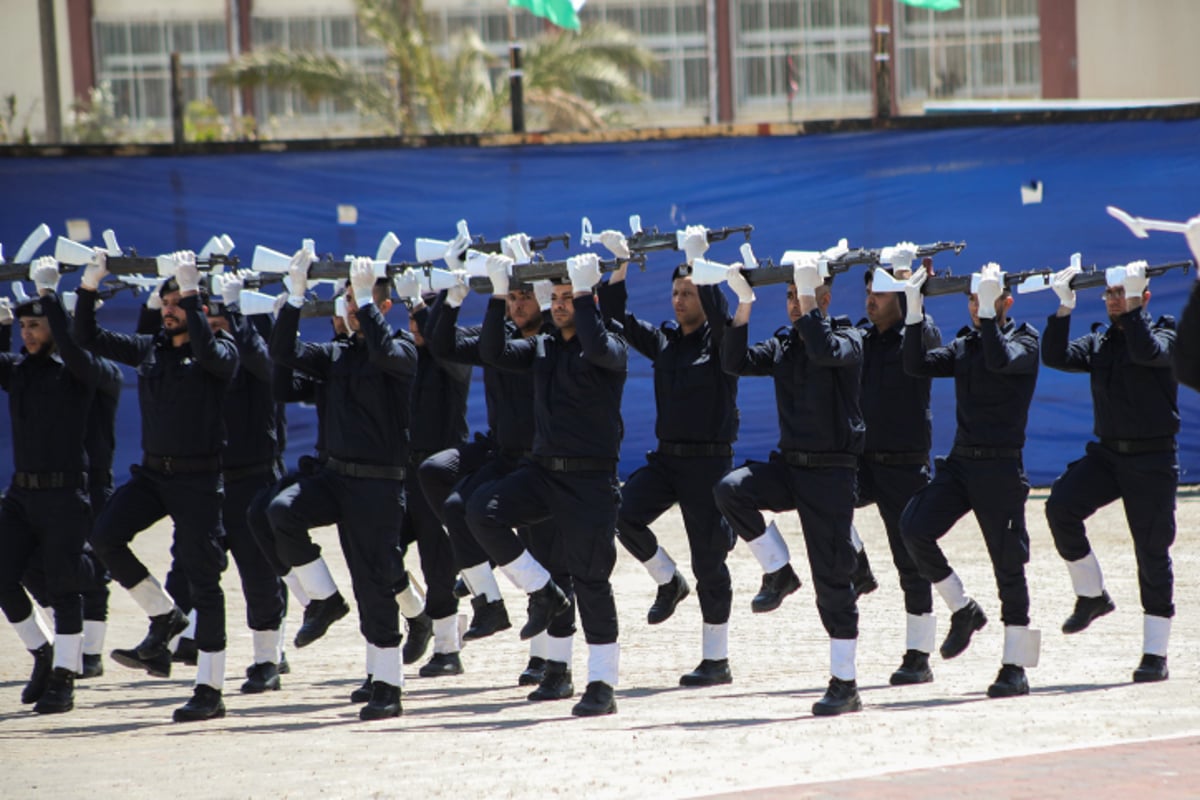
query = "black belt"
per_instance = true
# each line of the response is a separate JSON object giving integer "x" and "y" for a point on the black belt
{"x": 911, "y": 457}
{"x": 557, "y": 464}
{"x": 50, "y": 480}
{"x": 695, "y": 449}
{"x": 513, "y": 454}
{"x": 232, "y": 474}
{"x": 417, "y": 456}
{"x": 795, "y": 458}
{"x": 984, "y": 453}
{"x": 352, "y": 470}
{"x": 170, "y": 465}
{"x": 1136, "y": 446}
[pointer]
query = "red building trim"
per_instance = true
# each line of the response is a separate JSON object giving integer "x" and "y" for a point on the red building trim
{"x": 79, "y": 34}
{"x": 1060, "y": 49}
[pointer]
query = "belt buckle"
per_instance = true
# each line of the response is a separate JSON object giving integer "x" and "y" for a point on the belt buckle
{"x": 167, "y": 468}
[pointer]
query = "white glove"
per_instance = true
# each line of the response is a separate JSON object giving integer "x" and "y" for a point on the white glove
{"x": 544, "y": 292}
{"x": 516, "y": 246}
{"x": 95, "y": 270}
{"x": 584, "y": 271}
{"x": 44, "y": 273}
{"x": 1062, "y": 286}
{"x": 1135, "y": 282}
{"x": 298, "y": 275}
{"x": 741, "y": 287}
{"x": 6, "y": 311}
{"x": 1193, "y": 239}
{"x": 615, "y": 242}
{"x": 903, "y": 255}
{"x": 154, "y": 300}
{"x": 695, "y": 242}
{"x": 408, "y": 285}
{"x": 456, "y": 257}
{"x": 990, "y": 289}
{"x": 458, "y": 292}
{"x": 187, "y": 274}
{"x": 498, "y": 267}
{"x": 837, "y": 251}
{"x": 362, "y": 280}
{"x": 229, "y": 286}
{"x": 806, "y": 277}
{"x": 914, "y": 300}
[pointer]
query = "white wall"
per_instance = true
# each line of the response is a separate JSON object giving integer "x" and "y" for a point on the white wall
{"x": 21, "y": 63}
{"x": 1138, "y": 48}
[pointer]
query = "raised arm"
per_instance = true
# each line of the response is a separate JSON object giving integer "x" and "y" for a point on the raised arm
{"x": 923, "y": 361}
{"x": 601, "y": 346}
{"x": 1059, "y": 352}
{"x": 738, "y": 358}
{"x": 128, "y": 349}
{"x": 1013, "y": 353}
{"x": 829, "y": 346}
{"x": 252, "y": 350}
{"x": 1149, "y": 346}
{"x": 497, "y": 349}
{"x": 286, "y": 348}
{"x": 1187, "y": 346}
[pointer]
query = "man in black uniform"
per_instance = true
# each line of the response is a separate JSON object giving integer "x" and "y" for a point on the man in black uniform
{"x": 895, "y": 459}
{"x": 994, "y": 365}
{"x": 183, "y": 373}
{"x": 1136, "y": 419}
{"x": 45, "y": 513}
{"x": 579, "y": 377}
{"x": 696, "y": 424}
{"x": 816, "y": 368}
{"x": 1187, "y": 348}
{"x": 367, "y": 384}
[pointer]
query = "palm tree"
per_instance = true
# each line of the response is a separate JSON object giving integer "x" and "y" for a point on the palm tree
{"x": 572, "y": 81}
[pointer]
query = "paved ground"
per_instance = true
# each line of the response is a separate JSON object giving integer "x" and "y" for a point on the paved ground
{"x": 474, "y": 736}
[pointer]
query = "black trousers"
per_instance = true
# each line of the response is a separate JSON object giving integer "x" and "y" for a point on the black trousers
{"x": 1146, "y": 484}
{"x": 824, "y": 500}
{"x": 424, "y": 527}
{"x": 369, "y": 513}
{"x": 49, "y": 527}
{"x": 260, "y": 524}
{"x": 654, "y": 488}
{"x": 995, "y": 489}
{"x": 441, "y": 472}
{"x": 889, "y": 487}
{"x": 584, "y": 508}
{"x": 193, "y": 501}
{"x": 467, "y": 549}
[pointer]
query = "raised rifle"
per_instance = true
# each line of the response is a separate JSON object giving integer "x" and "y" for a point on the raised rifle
{"x": 524, "y": 275}
{"x": 641, "y": 241}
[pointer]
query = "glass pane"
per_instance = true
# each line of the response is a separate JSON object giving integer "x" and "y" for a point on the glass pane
{"x": 182, "y": 37}
{"x": 266, "y": 32}
{"x": 783, "y": 15}
{"x": 302, "y": 34}
{"x": 750, "y": 16}
{"x": 1022, "y": 8}
{"x": 145, "y": 38}
{"x": 855, "y": 13}
{"x": 823, "y": 77}
{"x": 341, "y": 33}
{"x": 155, "y": 104}
{"x": 951, "y": 72}
{"x": 625, "y": 17}
{"x": 111, "y": 40}
{"x": 495, "y": 27}
{"x": 689, "y": 18}
{"x": 212, "y": 37}
{"x": 822, "y": 14}
{"x": 660, "y": 85}
{"x": 915, "y": 73}
{"x": 122, "y": 89}
{"x": 753, "y": 75}
{"x": 695, "y": 80}
{"x": 1027, "y": 64}
{"x": 988, "y": 9}
{"x": 858, "y": 72}
{"x": 991, "y": 63}
{"x": 656, "y": 21}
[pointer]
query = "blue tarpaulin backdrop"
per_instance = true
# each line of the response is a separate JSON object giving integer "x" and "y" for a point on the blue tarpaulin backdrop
{"x": 872, "y": 188}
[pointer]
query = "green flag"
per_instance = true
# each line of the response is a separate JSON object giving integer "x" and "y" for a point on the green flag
{"x": 932, "y": 5}
{"x": 563, "y": 13}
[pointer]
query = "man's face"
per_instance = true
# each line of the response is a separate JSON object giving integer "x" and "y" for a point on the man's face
{"x": 351, "y": 311}
{"x": 685, "y": 299}
{"x": 822, "y": 296}
{"x": 883, "y": 308}
{"x": 562, "y": 307}
{"x": 523, "y": 309}
{"x": 1002, "y": 305}
{"x": 415, "y": 329}
{"x": 339, "y": 326}
{"x": 218, "y": 323}
{"x": 173, "y": 316}
{"x": 35, "y": 334}
{"x": 1114, "y": 301}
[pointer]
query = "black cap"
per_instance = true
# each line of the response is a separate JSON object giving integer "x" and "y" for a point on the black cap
{"x": 31, "y": 308}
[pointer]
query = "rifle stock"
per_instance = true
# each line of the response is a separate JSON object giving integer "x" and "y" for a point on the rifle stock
{"x": 648, "y": 241}
{"x": 526, "y": 274}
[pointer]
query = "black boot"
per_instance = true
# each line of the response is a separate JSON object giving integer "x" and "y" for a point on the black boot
{"x": 914, "y": 668}
{"x": 93, "y": 666}
{"x": 420, "y": 631}
{"x": 384, "y": 702}
{"x": 1010, "y": 682}
{"x": 461, "y": 590}
{"x": 284, "y": 667}
{"x": 863, "y": 579}
{"x": 775, "y": 586}
{"x": 363, "y": 693}
{"x": 261, "y": 677}
{"x": 711, "y": 672}
{"x": 840, "y": 698}
{"x": 163, "y": 629}
{"x": 597, "y": 701}
{"x": 1086, "y": 610}
{"x": 963, "y": 623}
{"x": 205, "y": 704}
{"x": 441, "y": 664}
{"x": 318, "y": 616}
{"x": 556, "y": 683}
{"x": 59, "y": 696}
{"x": 488, "y": 618}
{"x": 544, "y": 605}
{"x": 535, "y": 670}
{"x": 43, "y": 665}
{"x": 670, "y": 594}
{"x": 185, "y": 652}
{"x": 157, "y": 664}
{"x": 1152, "y": 669}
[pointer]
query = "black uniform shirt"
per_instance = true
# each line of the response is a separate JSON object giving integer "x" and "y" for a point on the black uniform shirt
{"x": 1134, "y": 392}
{"x": 892, "y": 400}
{"x": 250, "y": 410}
{"x": 439, "y": 393}
{"x": 181, "y": 390}
{"x": 995, "y": 372}
{"x": 1187, "y": 349}
{"x": 577, "y": 384}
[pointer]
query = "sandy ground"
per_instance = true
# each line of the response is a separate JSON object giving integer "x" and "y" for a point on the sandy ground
{"x": 475, "y": 736}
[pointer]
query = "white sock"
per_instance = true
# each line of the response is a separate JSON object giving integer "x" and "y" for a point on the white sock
{"x": 841, "y": 658}
{"x": 1156, "y": 631}
{"x": 920, "y": 632}
{"x": 770, "y": 549}
{"x": 715, "y": 642}
{"x": 93, "y": 636}
{"x": 952, "y": 591}
{"x": 268, "y": 646}
{"x": 316, "y": 579}
{"x": 190, "y": 631}
{"x": 660, "y": 566}
{"x": 1086, "y": 578}
{"x": 538, "y": 645}
{"x": 296, "y": 588}
{"x": 387, "y": 666}
{"x": 526, "y": 573}
{"x": 411, "y": 603}
{"x": 445, "y": 635}
{"x": 151, "y": 597}
{"x": 33, "y": 631}
{"x": 68, "y": 651}
{"x": 372, "y": 659}
{"x": 210, "y": 669}
{"x": 603, "y": 663}
{"x": 1022, "y": 646}
{"x": 558, "y": 648}
{"x": 482, "y": 581}
{"x": 855, "y": 539}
